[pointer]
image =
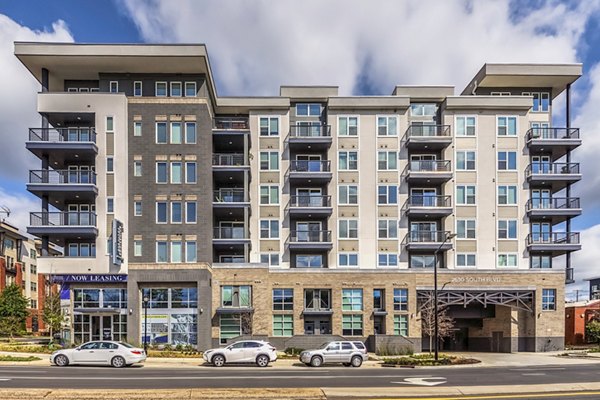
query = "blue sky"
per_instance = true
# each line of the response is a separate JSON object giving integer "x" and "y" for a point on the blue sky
{"x": 364, "y": 47}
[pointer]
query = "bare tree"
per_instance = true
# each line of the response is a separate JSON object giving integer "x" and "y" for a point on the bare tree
{"x": 246, "y": 323}
{"x": 445, "y": 322}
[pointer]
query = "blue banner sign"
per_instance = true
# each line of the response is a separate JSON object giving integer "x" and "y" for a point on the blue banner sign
{"x": 88, "y": 278}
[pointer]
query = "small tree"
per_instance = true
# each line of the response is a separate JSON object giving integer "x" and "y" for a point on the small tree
{"x": 445, "y": 323}
{"x": 592, "y": 332}
{"x": 52, "y": 313}
{"x": 13, "y": 310}
{"x": 246, "y": 323}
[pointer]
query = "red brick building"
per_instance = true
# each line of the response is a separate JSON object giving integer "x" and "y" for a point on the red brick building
{"x": 577, "y": 315}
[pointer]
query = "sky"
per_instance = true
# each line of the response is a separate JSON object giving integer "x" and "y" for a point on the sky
{"x": 364, "y": 47}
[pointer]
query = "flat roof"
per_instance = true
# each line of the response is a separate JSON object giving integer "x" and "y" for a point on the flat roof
{"x": 424, "y": 92}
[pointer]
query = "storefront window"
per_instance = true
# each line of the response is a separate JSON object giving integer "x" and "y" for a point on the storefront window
{"x": 86, "y": 298}
{"x": 184, "y": 329}
{"x": 230, "y": 327}
{"x": 184, "y": 298}
{"x": 114, "y": 298}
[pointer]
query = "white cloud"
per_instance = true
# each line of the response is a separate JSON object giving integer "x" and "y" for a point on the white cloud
{"x": 20, "y": 205}
{"x": 586, "y": 261}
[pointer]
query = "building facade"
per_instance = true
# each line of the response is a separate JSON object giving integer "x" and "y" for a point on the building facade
{"x": 191, "y": 218}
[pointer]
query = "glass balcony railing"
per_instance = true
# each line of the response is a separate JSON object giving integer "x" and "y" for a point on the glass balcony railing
{"x": 310, "y": 166}
{"x": 310, "y": 201}
{"x": 310, "y": 236}
{"x": 543, "y": 133}
{"x": 229, "y": 196}
{"x": 62, "y": 135}
{"x": 64, "y": 218}
{"x": 228, "y": 159}
{"x": 62, "y": 177}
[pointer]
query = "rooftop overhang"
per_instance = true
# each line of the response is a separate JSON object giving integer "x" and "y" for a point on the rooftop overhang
{"x": 369, "y": 103}
{"x": 243, "y": 105}
{"x": 424, "y": 93}
{"x": 522, "y": 103}
{"x": 555, "y": 76}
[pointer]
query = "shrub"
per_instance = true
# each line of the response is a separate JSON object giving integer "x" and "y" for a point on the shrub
{"x": 387, "y": 349}
{"x": 293, "y": 351}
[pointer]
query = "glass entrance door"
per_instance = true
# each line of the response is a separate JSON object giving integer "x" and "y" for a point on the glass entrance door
{"x": 101, "y": 327}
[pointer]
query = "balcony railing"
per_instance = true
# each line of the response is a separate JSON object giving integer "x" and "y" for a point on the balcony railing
{"x": 308, "y": 131}
{"x": 62, "y": 177}
{"x": 428, "y": 201}
{"x": 232, "y": 124}
{"x": 236, "y": 232}
{"x": 229, "y": 196}
{"x": 310, "y": 236}
{"x": 426, "y": 236}
{"x": 310, "y": 201}
{"x": 310, "y": 166}
{"x": 64, "y": 218}
{"x": 555, "y": 203}
{"x": 548, "y": 168}
{"x": 553, "y": 238}
{"x": 419, "y": 130}
{"x": 228, "y": 159}
{"x": 428, "y": 166}
{"x": 62, "y": 135}
{"x": 552, "y": 133}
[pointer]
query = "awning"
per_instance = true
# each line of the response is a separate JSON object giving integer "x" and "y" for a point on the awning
{"x": 234, "y": 310}
{"x": 317, "y": 312}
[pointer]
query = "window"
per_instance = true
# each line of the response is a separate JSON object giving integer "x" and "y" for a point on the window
{"x": 114, "y": 86}
{"x": 176, "y": 175}
{"x": 401, "y": 325}
{"x": 422, "y": 261}
{"x": 465, "y": 229}
{"x": 137, "y": 248}
{"x": 352, "y": 325}
{"x": 137, "y": 129}
{"x": 191, "y": 251}
{"x": 269, "y": 195}
{"x": 283, "y": 325}
{"x": 229, "y": 327}
{"x": 137, "y": 208}
{"x": 161, "y": 252}
{"x": 190, "y": 212}
{"x": 352, "y": 299}
{"x": 110, "y": 205}
{"x": 269, "y": 229}
{"x": 387, "y": 260}
{"x": 271, "y": 259}
{"x": 541, "y": 261}
{"x": 175, "y": 89}
{"x": 379, "y": 299}
{"x": 465, "y": 126}
{"x": 507, "y": 160}
{"x": 161, "y": 132}
{"x": 161, "y": 89}
{"x": 190, "y": 132}
{"x": 32, "y": 269}
{"x": 465, "y": 160}
{"x": 348, "y": 229}
{"x": 422, "y": 110}
{"x": 176, "y": 251}
{"x": 465, "y": 260}
{"x": 137, "y": 168}
{"x": 190, "y": 89}
{"x": 507, "y": 229}
{"x": 507, "y": 126}
{"x": 347, "y": 126}
{"x": 283, "y": 299}
{"x": 465, "y": 194}
{"x": 348, "y": 160}
{"x": 387, "y": 194}
{"x": 110, "y": 124}
{"x": 161, "y": 172}
{"x": 137, "y": 88}
{"x": 388, "y": 229}
{"x": 347, "y": 194}
{"x": 400, "y": 299}
{"x": 176, "y": 133}
{"x": 33, "y": 304}
{"x": 269, "y": 126}
{"x": 176, "y": 212}
{"x": 507, "y": 260}
{"x": 161, "y": 212}
{"x": 190, "y": 172}
{"x": 308, "y": 110}
{"x": 541, "y": 101}
{"x": 236, "y": 296}
{"x": 309, "y": 261}
{"x": 110, "y": 164}
{"x": 348, "y": 260}
{"x": 548, "y": 299}
{"x": 507, "y": 195}
{"x": 387, "y": 160}
{"x": 33, "y": 286}
{"x": 269, "y": 160}
{"x": 387, "y": 126}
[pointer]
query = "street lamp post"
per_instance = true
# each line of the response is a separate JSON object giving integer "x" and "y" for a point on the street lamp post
{"x": 436, "y": 321}
{"x": 146, "y": 300}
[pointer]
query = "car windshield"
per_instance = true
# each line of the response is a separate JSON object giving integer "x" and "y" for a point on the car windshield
{"x": 324, "y": 345}
{"x": 126, "y": 345}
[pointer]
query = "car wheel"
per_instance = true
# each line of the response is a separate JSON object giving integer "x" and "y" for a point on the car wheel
{"x": 346, "y": 364}
{"x": 118, "y": 362}
{"x": 61, "y": 360}
{"x": 218, "y": 360}
{"x": 262, "y": 360}
{"x": 356, "y": 361}
{"x": 316, "y": 361}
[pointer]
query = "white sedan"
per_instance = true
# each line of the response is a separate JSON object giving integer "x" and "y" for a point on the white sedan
{"x": 247, "y": 351}
{"x": 117, "y": 354}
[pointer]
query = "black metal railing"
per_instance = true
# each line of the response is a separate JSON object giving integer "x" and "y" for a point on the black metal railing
{"x": 62, "y": 176}
{"x": 231, "y": 123}
{"x": 425, "y": 130}
{"x": 550, "y": 168}
{"x": 426, "y": 236}
{"x": 428, "y": 166}
{"x": 228, "y": 159}
{"x": 63, "y": 218}
{"x": 552, "y": 133}
{"x": 308, "y": 131}
{"x": 310, "y": 201}
{"x": 229, "y": 196}
{"x": 62, "y": 135}
{"x": 310, "y": 236}
{"x": 428, "y": 201}
{"x": 553, "y": 238}
{"x": 555, "y": 203}
{"x": 229, "y": 232}
{"x": 310, "y": 166}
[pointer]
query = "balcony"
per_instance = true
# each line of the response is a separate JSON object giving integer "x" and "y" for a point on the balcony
{"x": 428, "y": 172}
{"x": 427, "y": 137}
{"x": 234, "y": 197}
{"x": 310, "y": 240}
{"x": 556, "y": 209}
{"x": 231, "y": 235}
{"x": 556, "y": 243}
{"x": 309, "y": 206}
{"x": 310, "y": 171}
{"x": 557, "y": 141}
{"x": 229, "y": 161}
{"x": 556, "y": 175}
{"x": 428, "y": 206}
{"x": 62, "y": 186}
{"x": 427, "y": 240}
{"x": 309, "y": 137}
{"x": 63, "y": 145}
{"x": 229, "y": 125}
{"x": 60, "y": 225}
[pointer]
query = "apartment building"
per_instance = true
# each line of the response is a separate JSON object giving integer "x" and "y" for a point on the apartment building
{"x": 192, "y": 218}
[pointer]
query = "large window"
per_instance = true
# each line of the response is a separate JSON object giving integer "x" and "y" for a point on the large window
{"x": 269, "y": 160}
{"x": 162, "y": 175}
{"x": 507, "y": 126}
{"x": 352, "y": 299}
{"x": 387, "y": 160}
{"x": 387, "y": 126}
{"x": 161, "y": 212}
{"x": 387, "y": 194}
{"x": 308, "y": 110}
{"x": 190, "y": 132}
{"x": 387, "y": 260}
{"x": 283, "y": 325}
{"x": 348, "y": 161}
{"x": 191, "y": 251}
{"x": 347, "y": 194}
{"x": 86, "y": 298}
{"x": 401, "y": 325}
{"x": 465, "y": 194}
{"x": 400, "y": 299}
{"x": 269, "y": 126}
{"x": 176, "y": 212}
{"x": 283, "y": 299}
{"x": 190, "y": 212}
{"x": 422, "y": 261}
{"x": 541, "y": 101}
{"x": 184, "y": 298}
{"x": 161, "y": 132}
{"x": 465, "y": 160}
{"x": 347, "y": 126}
{"x": 269, "y": 228}
{"x": 507, "y": 160}
{"x": 548, "y": 299}
{"x": 507, "y": 229}
{"x": 176, "y": 134}
{"x": 465, "y": 126}
{"x": 352, "y": 325}
{"x": 176, "y": 252}
{"x": 507, "y": 260}
{"x": 465, "y": 260}
{"x": 309, "y": 261}
{"x": 465, "y": 229}
{"x": 269, "y": 195}
{"x": 137, "y": 88}
{"x": 272, "y": 259}
{"x": 317, "y": 299}
{"x": 348, "y": 229}
{"x": 137, "y": 248}
{"x": 423, "y": 109}
{"x": 541, "y": 261}
{"x": 176, "y": 172}
{"x": 229, "y": 327}
{"x": 236, "y": 296}
{"x": 348, "y": 260}
{"x": 137, "y": 129}
{"x": 190, "y": 89}
{"x": 388, "y": 229}
{"x": 162, "y": 252}
{"x": 379, "y": 299}
{"x": 507, "y": 195}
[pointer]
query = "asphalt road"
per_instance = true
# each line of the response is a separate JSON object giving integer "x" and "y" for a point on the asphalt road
{"x": 75, "y": 377}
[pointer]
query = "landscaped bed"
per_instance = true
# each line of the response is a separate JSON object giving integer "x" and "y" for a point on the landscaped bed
{"x": 20, "y": 359}
{"x": 426, "y": 359}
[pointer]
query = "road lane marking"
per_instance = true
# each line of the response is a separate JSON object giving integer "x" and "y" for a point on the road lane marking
{"x": 523, "y": 396}
{"x": 428, "y": 381}
{"x": 220, "y": 377}
{"x": 535, "y": 374}
{"x": 538, "y": 369}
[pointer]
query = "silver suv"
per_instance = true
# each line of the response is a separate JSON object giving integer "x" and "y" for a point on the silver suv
{"x": 347, "y": 353}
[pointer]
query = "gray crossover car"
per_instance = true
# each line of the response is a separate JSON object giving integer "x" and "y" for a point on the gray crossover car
{"x": 346, "y": 353}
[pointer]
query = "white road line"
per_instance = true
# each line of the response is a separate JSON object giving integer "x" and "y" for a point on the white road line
{"x": 534, "y": 374}
{"x": 236, "y": 377}
{"x": 538, "y": 369}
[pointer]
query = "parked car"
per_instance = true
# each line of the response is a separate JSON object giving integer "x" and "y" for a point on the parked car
{"x": 246, "y": 351}
{"x": 117, "y": 354}
{"x": 346, "y": 353}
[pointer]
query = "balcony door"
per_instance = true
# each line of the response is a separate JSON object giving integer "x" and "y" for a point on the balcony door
{"x": 231, "y": 230}
{"x": 309, "y": 197}
{"x": 308, "y": 163}
{"x": 541, "y": 165}
{"x": 541, "y": 198}
{"x": 308, "y": 231}
{"x": 425, "y": 197}
{"x": 307, "y": 128}
{"x": 540, "y": 130}
{"x": 423, "y": 162}
{"x": 541, "y": 232}
{"x": 423, "y": 231}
